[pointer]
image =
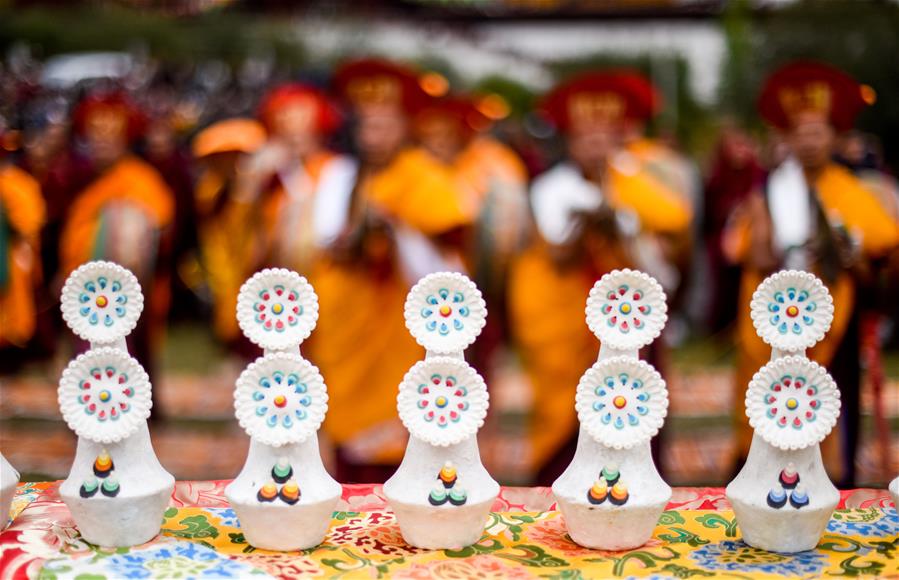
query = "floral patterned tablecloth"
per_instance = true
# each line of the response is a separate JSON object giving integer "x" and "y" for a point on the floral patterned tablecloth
{"x": 524, "y": 538}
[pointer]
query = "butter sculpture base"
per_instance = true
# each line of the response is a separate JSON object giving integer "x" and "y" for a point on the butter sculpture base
{"x": 135, "y": 515}
{"x": 787, "y": 529}
{"x": 447, "y": 526}
{"x": 9, "y": 478}
{"x": 607, "y": 526}
{"x": 278, "y": 525}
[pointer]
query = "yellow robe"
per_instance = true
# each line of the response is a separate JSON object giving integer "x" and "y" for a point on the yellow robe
{"x": 361, "y": 343}
{"x": 136, "y": 183}
{"x": 844, "y": 198}
{"x": 546, "y": 305}
{"x": 23, "y": 211}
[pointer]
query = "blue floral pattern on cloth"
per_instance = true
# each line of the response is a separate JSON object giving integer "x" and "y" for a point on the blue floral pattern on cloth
{"x": 169, "y": 559}
{"x": 865, "y": 522}
{"x": 102, "y": 301}
{"x": 792, "y": 311}
{"x": 737, "y": 556}
{"x": 226, "y": 516}
{"x": 445, "y": 311}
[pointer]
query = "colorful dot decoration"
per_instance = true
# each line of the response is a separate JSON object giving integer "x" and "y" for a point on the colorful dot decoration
{"x": 104, "y": 395}
{"x": 448, "y": 475}
{"x": 622, "y": 403}
{"x": 267, "y": 493}
{"x": 608, "y": 486}
{"x": 271, "y": 396}
{"x": 789, "y": 477}
{"x": 103, "y": 480}
{"x": 103, "y": 465}
{"x": 621, "y": 400}
{"x": 792, "y": 403}
{"x": 787, "y": 489}
{"x": 791, "y": 310}
{"x": 280, "y": 398}
{"x": 447, "y": 491}
{"x": 277, "y": 309}
{"x": 101, "y": 302}
{"x": 445, "y": 312}
{"x": 282, "y": 471}
{"x": 281, "y": 486}
{"x": 442, "y": 401}
{"x": 626, "y": 309}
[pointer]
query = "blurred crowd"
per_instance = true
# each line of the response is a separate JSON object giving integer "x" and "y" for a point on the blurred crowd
{"x": 366, "y": 179}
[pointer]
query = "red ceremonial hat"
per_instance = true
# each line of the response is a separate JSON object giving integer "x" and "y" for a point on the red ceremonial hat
{"x": 109, "y": 113}
{"x": 601, "y": 97}
{"x": 281, "y": 98}
{"x": 378, "y": 81}
{"x": 459, "y": 109}
{"x": 812, "y": 86}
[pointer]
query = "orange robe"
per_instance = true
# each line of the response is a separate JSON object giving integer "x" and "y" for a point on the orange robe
{"x": 22, "y": 214}
{"x": 133, "y": 186}
{"x": 361, "y": 343}
{"x": 844, "y": 198}
{"x": 547, "y": 302}
{"x": 225, "y": 245}
{"x": 494, "y": 181}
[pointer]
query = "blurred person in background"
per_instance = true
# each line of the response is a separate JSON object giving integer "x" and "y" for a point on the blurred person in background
{"x": 590, "y": 210}
{"x": 44, "y": 122}
{"x": 22, "y": 215}
{"x": 295, "y": 183}
{"x": 666, "y": 258}
{"x": 124, "y": 213}
{"x": 225, "y": 240}
{"x": 163, "y": 149}
{"x": 494, "y": 181}
{"x": 734, "y": 173}
{"x": 813, "y": 214}
{"x": 403, "y": 218}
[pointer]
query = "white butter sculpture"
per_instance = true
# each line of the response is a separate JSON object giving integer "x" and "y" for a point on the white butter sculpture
{"x": 9, "y": 478}
{"x": 116, "y": 491}
{"x": 782, "y": 498}
{"x": 283, "y": 497}
{"x": 442, "y": 493}
{"x": 611, "y": 495}
{"x": 894, "y": 492}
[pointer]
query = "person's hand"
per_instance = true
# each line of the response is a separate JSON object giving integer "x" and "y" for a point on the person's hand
{"x": 761, "y": 255}
{"x": 256, "y": 170}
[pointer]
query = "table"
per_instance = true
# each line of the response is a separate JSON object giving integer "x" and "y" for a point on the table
{"x": 525, "y": 537}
